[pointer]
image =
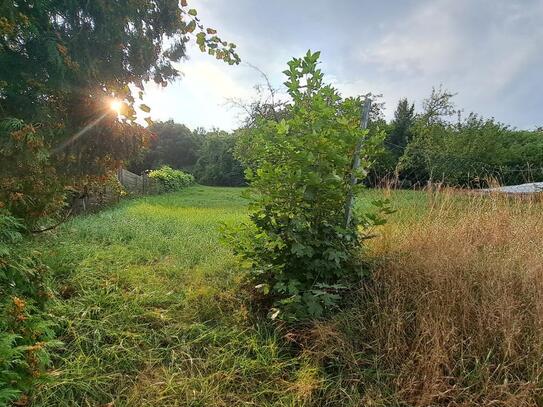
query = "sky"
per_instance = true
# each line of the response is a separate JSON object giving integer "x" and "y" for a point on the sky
{"x": 490, "y": 52}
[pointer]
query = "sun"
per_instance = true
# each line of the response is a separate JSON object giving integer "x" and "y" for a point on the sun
{"x": 116, "y": 106}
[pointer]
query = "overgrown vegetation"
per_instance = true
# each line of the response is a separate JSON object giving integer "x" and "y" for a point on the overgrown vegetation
{"x": 171, "y": 180}
{"x": 452, "y": 316}
{"x": 151, "y": 310}
{"x": 443, "y": 307}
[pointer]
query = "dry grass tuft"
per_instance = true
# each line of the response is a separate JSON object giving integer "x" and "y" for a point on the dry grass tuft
{"x": 454, "y": 315}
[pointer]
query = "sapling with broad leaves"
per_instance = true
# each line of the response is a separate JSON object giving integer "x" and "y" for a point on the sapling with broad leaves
{"x": 301, "y": 254}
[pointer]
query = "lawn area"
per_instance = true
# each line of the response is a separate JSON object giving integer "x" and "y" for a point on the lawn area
{"x": 150, "y": 311}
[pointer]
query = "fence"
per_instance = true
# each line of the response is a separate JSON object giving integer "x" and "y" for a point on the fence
{"x": 137, "y": 184}
{"x": 132, "y": 183}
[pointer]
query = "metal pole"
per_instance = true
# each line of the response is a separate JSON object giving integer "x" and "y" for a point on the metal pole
{"x": 356, "y": 162}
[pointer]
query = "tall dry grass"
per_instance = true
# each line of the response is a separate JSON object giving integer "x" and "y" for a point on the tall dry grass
{"x": 453, "y": 315}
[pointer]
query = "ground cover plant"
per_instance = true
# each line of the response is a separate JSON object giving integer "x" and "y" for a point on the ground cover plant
{"x": 152, "y": 310}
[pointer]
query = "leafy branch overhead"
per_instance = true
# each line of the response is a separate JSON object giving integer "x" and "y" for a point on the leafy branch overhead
{"x": 207, "y": 38}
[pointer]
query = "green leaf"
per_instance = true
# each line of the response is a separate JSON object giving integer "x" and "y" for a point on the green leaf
{"x": 313, "y": 307}
{"x": 191, "y": 26}
{"x": 145, "y": 108}
{"x": 200, "y": 39}
{"x": 282, "y": 127}
{"x": 314, "y": 178}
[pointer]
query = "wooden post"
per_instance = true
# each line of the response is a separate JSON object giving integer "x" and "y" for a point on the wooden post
{"x": 120, "y": 176}
{"x": 356, "y": 162}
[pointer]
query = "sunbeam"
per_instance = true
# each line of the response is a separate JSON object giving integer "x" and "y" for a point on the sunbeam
{"x": 78, "y": 135}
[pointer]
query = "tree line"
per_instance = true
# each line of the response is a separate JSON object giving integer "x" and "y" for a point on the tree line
{"x": 437, "y": 144}
{"x": 440, "y": 144}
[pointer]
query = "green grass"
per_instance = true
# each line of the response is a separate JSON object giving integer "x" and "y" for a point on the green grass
{"x": 151, "y": 314}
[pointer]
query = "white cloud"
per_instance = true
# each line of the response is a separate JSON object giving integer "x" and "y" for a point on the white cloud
{"x": 479, "y": 49}
{"x": 199, "y": 97}
{"x": 424, "y": 42}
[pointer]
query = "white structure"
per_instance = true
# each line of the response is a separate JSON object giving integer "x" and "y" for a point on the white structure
{"x": 529, "y": 188}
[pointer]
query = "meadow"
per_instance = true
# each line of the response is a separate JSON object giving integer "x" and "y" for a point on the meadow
{"x": 153, "y": 310}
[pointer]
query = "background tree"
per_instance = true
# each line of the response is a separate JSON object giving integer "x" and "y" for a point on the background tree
{"x": 468, "y": 152}
{"x": 266, "y": 103}
{"x": 61, "y": 62}
{"x": 398, "y": 133}
{"x": 415, "y": 165}
{"x": 383, "y": 160}
{"x": 171, "y": 144}
{"x": 216, "y": 163}
{"x": 401, "y": 127}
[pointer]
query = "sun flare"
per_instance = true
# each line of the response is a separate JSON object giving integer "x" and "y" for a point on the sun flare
{"x": 116, "y": 106}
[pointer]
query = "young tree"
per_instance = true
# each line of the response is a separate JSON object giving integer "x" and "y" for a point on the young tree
{"x": 301, "y": 251}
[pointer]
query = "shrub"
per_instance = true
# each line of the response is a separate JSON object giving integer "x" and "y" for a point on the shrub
{"x": 25, "y": 331}
{"x": 302, "y": 254}
{"x": 171, "y": 180}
